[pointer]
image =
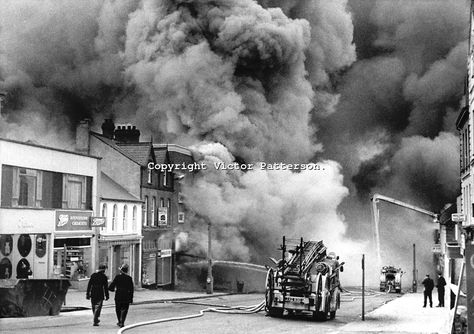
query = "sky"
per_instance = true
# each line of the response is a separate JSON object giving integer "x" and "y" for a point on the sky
{"x": 368, "y": 90}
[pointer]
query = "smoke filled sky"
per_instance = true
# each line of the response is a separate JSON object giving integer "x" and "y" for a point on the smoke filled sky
{"x": 368, "y": 89}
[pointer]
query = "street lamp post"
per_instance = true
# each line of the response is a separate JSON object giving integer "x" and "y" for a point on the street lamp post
{"x": 209, "y": 280}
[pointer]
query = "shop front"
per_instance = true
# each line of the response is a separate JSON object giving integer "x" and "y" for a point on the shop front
{"x": 115, "y": 250}
{"x": 157, "y": 265}
{"x": 73, "y": 245}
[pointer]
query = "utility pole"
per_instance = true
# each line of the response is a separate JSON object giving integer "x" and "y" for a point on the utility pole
{"x": 209, "y": 280}
{"x": 363, "y": 287}
{"x": 415, "y": 283}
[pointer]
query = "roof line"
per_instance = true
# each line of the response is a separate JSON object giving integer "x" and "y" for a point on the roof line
{"x": 99, "y": 136}
{"x": 49, "y": 148}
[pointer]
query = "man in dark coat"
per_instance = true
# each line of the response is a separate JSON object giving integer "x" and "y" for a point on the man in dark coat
{"x": 429, "y": 286}
{"x": 441, "y": 284}
{"x": 124, "y": 294}
{"x": 97, "y": 291}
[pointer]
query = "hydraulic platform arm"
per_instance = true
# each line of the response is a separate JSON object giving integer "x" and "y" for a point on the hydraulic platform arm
{"x": 375, "y": 211}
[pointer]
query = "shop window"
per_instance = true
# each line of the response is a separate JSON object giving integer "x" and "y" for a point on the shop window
{"x": 134, "y": 218}
{"x": 124, "y": 220}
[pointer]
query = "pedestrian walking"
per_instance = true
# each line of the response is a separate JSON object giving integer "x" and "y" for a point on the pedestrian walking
{"x": 429, "y": 286}
{"x": 97, "y": 291}
{"x": 441, "y": 284}
{"x": 124, "y": 294}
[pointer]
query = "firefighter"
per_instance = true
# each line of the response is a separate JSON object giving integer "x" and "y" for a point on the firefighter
{"x": 441, "y": 284}
{"x": 429, "y": 286}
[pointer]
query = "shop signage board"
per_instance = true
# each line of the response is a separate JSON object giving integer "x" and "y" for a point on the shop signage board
{"x": 458, "y": 217}
{"x": 436, "y": 249}
{"x": 164, "y": 252}
{"x": 98, "y": 221}
{"x": 72, "y": 220}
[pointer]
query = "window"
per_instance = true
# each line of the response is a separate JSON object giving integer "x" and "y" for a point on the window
{"x": 162, "y": 202}
{"x": 169, "y": 203}
{"x": 124, "y": 221}
{"x": 104, "y": 214}
{"x": 181, "y": 217}
{"x": 27, "y": 190}
{"x": 145, "y": 212}
{"x": 114, "y": 218}
{"x": 150, "y": 176}
{"x": 45, "y": 189}
{"x": 134, "y": 218}
{"x": 153, "y": 211}
{"x": 165, "y": 177}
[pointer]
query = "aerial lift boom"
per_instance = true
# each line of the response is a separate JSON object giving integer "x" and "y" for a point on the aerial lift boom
{"x": 375, "y": 200}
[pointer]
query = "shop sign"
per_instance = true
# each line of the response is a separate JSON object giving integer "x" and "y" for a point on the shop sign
{"x": 436, "y": 249}
{"x": 97, "y": 221}
{"x": 164, "y": 252}
{"x": 72, "y": 220}
{"x": 458, "y": 217}
{"x": 162, "y": 215}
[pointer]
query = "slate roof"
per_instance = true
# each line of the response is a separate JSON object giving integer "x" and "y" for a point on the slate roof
{"x": 137, "y": 152}
{"x": 160, "y": 155}
{"x": 114, "y": 191}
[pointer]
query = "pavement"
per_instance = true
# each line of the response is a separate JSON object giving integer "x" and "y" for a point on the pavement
{"x": 76, "y": 300}
{"x": 403, "y": 315}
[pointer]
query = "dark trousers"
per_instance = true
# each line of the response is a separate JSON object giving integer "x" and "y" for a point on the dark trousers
{"x": 96, "y": 309}
{"x": 441, "y": 296}
{"x": 121, "y": 309}
{"x": 427, "y": 294}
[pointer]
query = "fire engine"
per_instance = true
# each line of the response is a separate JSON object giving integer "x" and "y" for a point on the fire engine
{"x": 306, "y": 279}
{"x": 391, "y": 279}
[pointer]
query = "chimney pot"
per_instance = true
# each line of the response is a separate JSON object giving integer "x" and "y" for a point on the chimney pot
{"x": 108, "y": 128}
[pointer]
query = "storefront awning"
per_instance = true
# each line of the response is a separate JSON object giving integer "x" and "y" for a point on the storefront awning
{"x": 73, "y": 234}
{"x": 119, "y": 239}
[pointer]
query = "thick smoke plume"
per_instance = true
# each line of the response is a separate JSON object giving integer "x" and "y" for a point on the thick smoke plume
{"x": 373, "y": 85}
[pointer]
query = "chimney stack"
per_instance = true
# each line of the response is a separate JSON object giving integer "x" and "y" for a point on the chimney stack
{"x": 82, "y": 136}
{"x": 108, "y": 128}
{"x": 127, "y": 134}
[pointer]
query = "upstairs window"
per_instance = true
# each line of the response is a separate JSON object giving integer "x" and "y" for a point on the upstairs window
{"x": 124, "y": 220}
{"x": 150, "y": 176}
{"x": 27, "y": 190}
{"x": 114, "y": 217}
{"x": 134, "y": 218}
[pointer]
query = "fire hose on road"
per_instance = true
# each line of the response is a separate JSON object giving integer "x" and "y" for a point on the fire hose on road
{"x": 352, "y": 295}
{"x": 222, "y": 309}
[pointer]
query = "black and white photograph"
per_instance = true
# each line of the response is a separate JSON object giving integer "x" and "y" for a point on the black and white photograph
{"x": 237, "y": 166}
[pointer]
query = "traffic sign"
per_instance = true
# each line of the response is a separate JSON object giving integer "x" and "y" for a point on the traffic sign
{"x": 458, "y": 217}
